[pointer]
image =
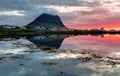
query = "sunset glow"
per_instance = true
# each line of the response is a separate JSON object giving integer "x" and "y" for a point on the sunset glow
{"x": 59, "y": 37}
{"x": 76, "y": 14}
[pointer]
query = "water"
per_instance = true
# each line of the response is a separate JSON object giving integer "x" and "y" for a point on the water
{"x": 60, "y": 55}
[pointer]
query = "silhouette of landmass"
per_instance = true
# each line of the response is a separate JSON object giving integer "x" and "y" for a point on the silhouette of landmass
{"x": 48, "y": 21}
{"x": 48, "y": 42}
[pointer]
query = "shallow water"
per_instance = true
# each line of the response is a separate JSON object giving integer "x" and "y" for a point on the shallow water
{"x": 60, "y": 55}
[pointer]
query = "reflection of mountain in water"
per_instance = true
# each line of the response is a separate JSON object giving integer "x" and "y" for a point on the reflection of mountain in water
{"x": 48, "y": 42}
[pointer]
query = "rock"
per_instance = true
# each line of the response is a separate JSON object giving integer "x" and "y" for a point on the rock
{"x": 48, "y": 63}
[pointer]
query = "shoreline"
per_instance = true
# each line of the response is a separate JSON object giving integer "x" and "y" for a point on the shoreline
{"x": 22, "y": 33}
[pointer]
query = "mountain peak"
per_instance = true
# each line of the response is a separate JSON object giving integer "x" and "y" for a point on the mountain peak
{"x": 48, "y": 20}
{"x": 47, "y": 14}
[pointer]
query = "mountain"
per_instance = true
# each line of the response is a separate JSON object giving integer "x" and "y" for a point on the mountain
{"x": 48, "y": 21}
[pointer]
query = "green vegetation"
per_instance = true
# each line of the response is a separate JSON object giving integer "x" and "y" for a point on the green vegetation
{"x": 32, "y": 31}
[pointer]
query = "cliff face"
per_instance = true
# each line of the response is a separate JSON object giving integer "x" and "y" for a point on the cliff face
{"x": 47, "y": 20}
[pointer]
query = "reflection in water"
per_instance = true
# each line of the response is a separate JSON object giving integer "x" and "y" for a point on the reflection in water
{"x": 90, "y": 56}
{"x": 109, "y": 45}
{"x": 48, "y": 42}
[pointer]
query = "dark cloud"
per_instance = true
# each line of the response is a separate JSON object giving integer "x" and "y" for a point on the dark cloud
{"x": 108, "y": 2}
{"x": 32, "y": 4}
{"x": 16, "y": 5}
{"x": 95, "y": 11}
{"x": 57, "y": 2}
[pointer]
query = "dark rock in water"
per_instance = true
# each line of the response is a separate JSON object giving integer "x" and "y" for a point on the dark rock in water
{"x": 48, "y": 21}
{"x": 49, "y": 63}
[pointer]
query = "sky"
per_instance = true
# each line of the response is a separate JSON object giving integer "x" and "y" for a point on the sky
{"x": 77, "y": 14}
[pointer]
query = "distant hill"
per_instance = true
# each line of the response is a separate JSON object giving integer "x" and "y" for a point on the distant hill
{"x": 48, "y": 21}
{"x": 9, "y": 26}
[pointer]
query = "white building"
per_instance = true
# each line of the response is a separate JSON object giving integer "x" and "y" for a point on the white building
{"x": 39, "y": 28}
{"x": 59, "y": 29}
{"x": 8, "y": 27}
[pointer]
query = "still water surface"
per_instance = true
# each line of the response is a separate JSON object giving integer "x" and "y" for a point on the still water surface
{"x": 60, "y": 55}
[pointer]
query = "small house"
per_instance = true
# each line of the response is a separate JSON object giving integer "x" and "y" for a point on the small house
{"x": 8, "y": 27}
